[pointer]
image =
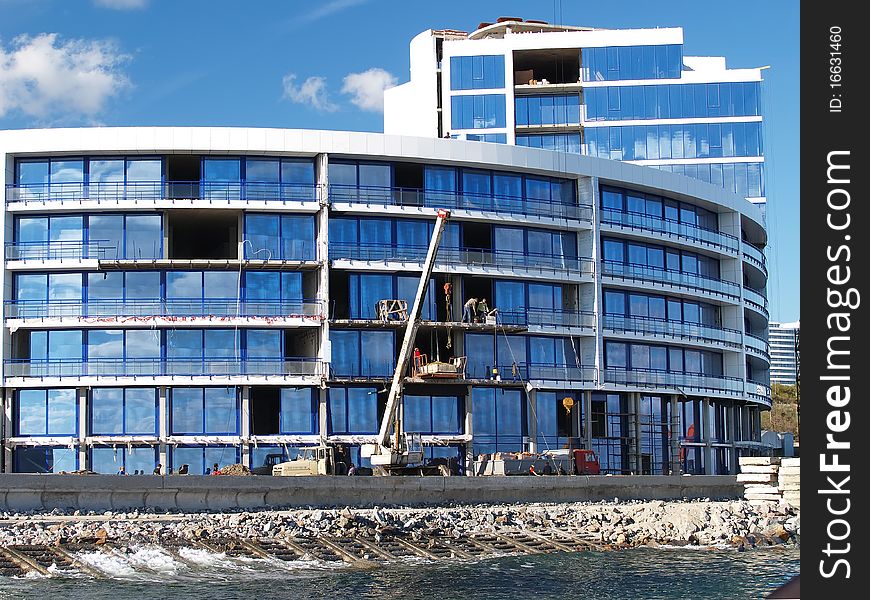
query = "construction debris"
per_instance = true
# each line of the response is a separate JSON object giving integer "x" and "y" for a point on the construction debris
{"x": 236, "y": 469}
{"x": 770, "y": 479}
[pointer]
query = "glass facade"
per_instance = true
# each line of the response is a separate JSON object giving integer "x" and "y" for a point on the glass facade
{"x": 683, "y": 101}
{"x": 632, "y": 62}
{"x": 480, "y": 111}
{"x": 477, "y": 72}
{"x": 128, "y": 389}
{"x": 560, "y": 109}
{"x": 561, "y": 142}
{"x": 654, "y": 142}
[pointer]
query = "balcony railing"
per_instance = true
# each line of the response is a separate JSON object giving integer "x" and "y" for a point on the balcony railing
{"x": 758, "y": 345}
{"x": 61, "y": 250}
{"x": 220, "y": 307}
{"x": 755, "y": 257}
{"x": 493, "y": 203}
{"x": 476, "y": 257}
{"x": 152, "y": 367}
{"x": 654, "y": 378}
{"x": 691, "y": 281}
{"x": 686, "y": 231}
{"x": 758, "y": 391}
{"x": 149, "y": 191}
{"x": 672, "y": 329}
{"x": 532, "y": 371}
{"x": 756, "y": 299}
{"x": 547, "y": 317}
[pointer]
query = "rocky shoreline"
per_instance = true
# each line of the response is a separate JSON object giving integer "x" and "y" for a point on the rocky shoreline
{"x": 612, "y": 524}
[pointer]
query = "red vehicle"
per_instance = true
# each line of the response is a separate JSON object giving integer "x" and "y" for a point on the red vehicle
{"x": 586, "y": 463}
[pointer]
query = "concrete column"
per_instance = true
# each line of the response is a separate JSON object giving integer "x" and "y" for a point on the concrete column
{"x": 587, "y": 420}
{"x": 675, "y": 435}
{"x": 322, "y": 415}
{"x": 8, "y": 430}
{"x": 706, "y": 436}
{"x": 83, "y": 427}
{"x": 163, "y": 424}
{"x": 245, "y": 421}
{"x": 730, "y": 411}
{"x": 469, "y": 430}
{"x": 634, "y": 423}
{"x": 532, "y": 419}
{"x": 324, "y": 352}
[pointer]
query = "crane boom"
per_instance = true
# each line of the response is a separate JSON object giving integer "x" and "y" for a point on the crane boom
{"x": 395, "y": 394}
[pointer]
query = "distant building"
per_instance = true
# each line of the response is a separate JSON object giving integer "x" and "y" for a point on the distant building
{"x": 784, "y": 352}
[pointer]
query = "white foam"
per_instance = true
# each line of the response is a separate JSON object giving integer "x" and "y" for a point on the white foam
{"x": 153, "y": 558}
{"x": 110, "y": 564}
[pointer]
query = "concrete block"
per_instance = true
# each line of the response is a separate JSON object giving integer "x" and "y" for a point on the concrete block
{"x": 96, "y": 501}
{"x": 761, "y": 489}
{"x": 791, "y": 462}
{"x": 756, "y": 477}
{"x": 759, "y": 468}
{"x": 127, "y": 500}
{"x": 758, "y": 460}
{"x": 189, "y": 500}
{"x": 62, "y": 499}
{"x": 163, "y": 499}
{"x": 790, "y": 471}
{"x": 23, "y": 500}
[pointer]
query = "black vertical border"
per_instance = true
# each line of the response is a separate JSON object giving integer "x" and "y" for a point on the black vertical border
{"x": 824, "y": 131}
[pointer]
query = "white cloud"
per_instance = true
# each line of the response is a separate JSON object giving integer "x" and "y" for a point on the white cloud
{"x": 312, "y": 92}
{"x": 367, "y": 88}
{"x": 328, "y": 9}
{"x": 45, "y": 77}
{"x": 122, "y": 4}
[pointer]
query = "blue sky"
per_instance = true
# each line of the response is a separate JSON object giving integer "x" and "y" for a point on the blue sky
{"x": 321, "y": 65}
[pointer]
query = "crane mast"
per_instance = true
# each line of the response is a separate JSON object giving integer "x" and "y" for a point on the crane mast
{"x": 399, "y": 452}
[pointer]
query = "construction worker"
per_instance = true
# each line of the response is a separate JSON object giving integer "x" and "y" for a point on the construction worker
{"x": 482, "y": 310}
{"x": 468, "y": 310}
{"x": 448, "y": 299}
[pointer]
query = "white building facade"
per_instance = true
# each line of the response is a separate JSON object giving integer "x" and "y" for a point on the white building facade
{"x": 207, "y": 295}
{"x": 784, "y": 352}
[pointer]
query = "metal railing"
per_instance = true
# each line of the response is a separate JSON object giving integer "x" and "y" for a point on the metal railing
{"x": 493, "y": 203}
{"x": 692, "y": 381}
{"x": 547, "y": 317}
{"x": 149, "y": 191}
{"x": 209, "y": 307}
{"x": 464, "y": 256}
{"x": 758, "y": 345}
{"x": 756, "y": 299}
{"x": 686, "y": 231}
{"x": 755, "y": 256}
{"x": 61, "y": 250}
{"x": 672, "y": 329}
{"x": 644, "y": 273}
{"x": 520, "y": 372}
{"x": 183, "y": 367}
{"x": 759, "y": 391}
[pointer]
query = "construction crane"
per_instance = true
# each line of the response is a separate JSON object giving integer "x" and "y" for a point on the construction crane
{"x": 402, "y": 452}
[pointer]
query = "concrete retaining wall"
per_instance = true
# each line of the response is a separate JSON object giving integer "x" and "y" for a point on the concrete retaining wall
{"x": 192, "y": 493}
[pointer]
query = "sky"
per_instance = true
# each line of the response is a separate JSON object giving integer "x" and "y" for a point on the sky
{"x": 323, "y": 65}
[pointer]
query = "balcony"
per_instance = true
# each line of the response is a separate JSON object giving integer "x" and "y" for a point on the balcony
{"x": 61, "y": 250}
{"x": 691, "y": 281}
{"x": 758, "y": 391}
{"x": 491, "y": 203}
{"x": 684, "y": 231}
{"x": 145, "y": 309}
{"x": 470, "y": 257}
{"x": 548, "y": 318}
{"x": 157, "y": 367}
{"x": 672, "y": 329}
{"x": 756, "y": 300}
{"x": 522, "y": 372}
{"x": 757, "y": 346}
{"x": 755, "y": 257}
{"x": 648, "y": 378}
{"x": 151, "y": 191}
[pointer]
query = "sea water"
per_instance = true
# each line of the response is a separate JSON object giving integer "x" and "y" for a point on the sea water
{"x": 643, "y": 573}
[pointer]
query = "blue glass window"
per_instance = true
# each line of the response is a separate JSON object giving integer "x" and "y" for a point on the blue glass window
{"x": 212, "y": 411}
{"x": 134, "y": 459}
{"x": 483, "y": 111}
{"x": 431, "y": 414}
{"x": 287, "y": 237}
{"x": 700, "y": 140}
{"x": 298, "y": 411}
{"x": 353, "y": 410}
{"x": 561, "y": 109}
{"x": 42, "y": 412}
{"x": 499, "y": 420}
{"x": 476, "y": 72}
{"x": 559, "y": 142}
{"x": 201, "y": 459}
{"x": 45, "y": 459}
{"x": 732, "y": 99}
{"x": 632, "y": 62}
{"x": 362, "y": 353}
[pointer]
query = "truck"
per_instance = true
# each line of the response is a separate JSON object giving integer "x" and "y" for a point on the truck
{"x": 577, "y": 461}
{"x": 312, "y": 460}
